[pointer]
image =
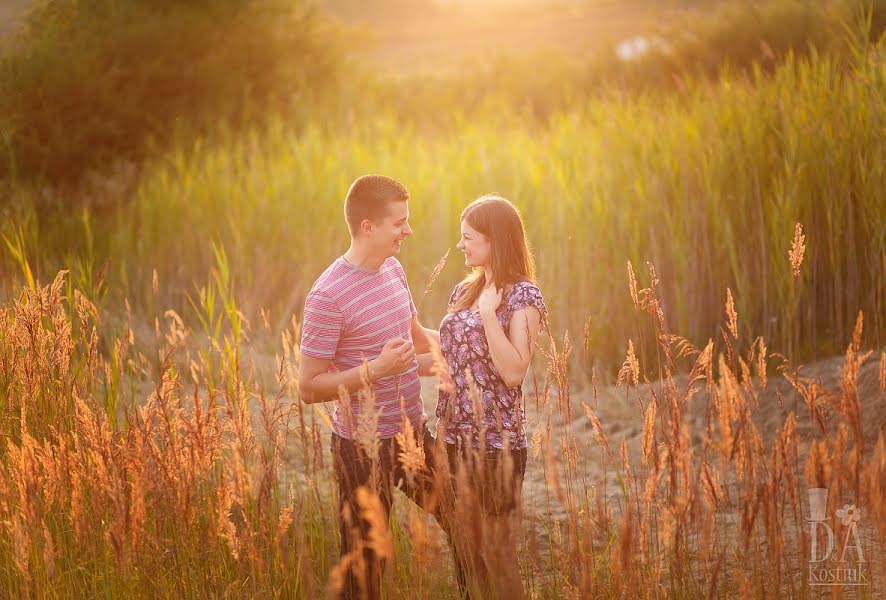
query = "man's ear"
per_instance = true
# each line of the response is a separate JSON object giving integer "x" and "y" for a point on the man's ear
{"x": 366, "y": 226}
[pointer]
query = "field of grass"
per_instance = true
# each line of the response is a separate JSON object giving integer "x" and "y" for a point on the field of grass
{"x": 706, "y": 186}
{"x": 215, "y": 481}
{"x": 695, "y": 245}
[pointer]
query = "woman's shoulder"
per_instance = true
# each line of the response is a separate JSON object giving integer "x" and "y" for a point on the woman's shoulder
{"x": 526, "y": 293}
{"x": 521, "y": 288}
{"x": 456, "y": 292}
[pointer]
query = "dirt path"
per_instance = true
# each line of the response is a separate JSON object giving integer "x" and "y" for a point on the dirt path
{"x": 622, "y": 418}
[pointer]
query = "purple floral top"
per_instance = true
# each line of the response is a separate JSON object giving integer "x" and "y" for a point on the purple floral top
{"x": 464, "y": 346}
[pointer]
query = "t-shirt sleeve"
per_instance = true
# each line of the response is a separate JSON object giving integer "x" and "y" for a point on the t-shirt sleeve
{"x": 525, "y": 295}
{"x": 322, "y": 327}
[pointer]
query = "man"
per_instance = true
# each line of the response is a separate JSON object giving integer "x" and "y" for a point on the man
{"x": 360, "y": 328}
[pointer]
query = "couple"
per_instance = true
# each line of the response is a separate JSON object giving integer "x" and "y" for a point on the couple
{"x": 361, "y": 329}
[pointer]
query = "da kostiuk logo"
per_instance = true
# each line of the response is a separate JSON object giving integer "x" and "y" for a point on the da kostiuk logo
{"x": 836, "y": 558}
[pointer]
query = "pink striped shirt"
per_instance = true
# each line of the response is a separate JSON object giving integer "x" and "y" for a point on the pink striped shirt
{"x": 350, "y": 314}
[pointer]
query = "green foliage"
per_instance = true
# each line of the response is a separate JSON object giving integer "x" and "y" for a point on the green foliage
{"x": 706, "y": 184}
{"x": 94, "y": 87}
{"x": 90, "y": 84}
{"x": 211, "y": 487}
{"x": 727, "y": 37}
{"x": 707, "y": 187}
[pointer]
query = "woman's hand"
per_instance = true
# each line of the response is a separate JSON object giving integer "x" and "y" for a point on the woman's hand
{"x": 490, "y": 300}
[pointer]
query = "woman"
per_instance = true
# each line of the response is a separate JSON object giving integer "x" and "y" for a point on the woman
{"x": 486, "y": 339}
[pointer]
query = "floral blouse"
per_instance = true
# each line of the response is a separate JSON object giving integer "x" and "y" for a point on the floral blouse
{"x": 464, "y": 346}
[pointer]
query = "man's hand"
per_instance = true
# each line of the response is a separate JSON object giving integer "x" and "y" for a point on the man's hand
{"x": 316, "y": 383}
{"x": 396, "y": 357}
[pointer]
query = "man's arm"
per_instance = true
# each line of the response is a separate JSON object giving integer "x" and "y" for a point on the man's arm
{"x": 425, "y": 340}
{"x": 425, "y": 364}
{"x": 317, "y": 384}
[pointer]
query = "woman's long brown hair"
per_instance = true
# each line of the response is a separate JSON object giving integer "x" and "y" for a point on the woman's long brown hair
{"x": 501, "y": 223}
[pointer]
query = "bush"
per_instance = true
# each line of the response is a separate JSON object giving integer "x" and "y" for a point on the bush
{"x": 692, "y": 44}
{"x": 91, "y": 87}
{"x": 90, "y": 83}
{"x": 738, "y": 36}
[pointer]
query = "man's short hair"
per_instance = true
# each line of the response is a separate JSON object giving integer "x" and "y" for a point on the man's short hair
{"x": 368, "y": 198}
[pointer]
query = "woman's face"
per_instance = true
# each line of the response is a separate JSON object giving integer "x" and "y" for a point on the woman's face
{"x": 476, "y": 247}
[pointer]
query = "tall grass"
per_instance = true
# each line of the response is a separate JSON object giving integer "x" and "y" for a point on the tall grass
{"x": 223, "y": 489}
{"x": 151, "y": 447}
{"x": 708, "y": 187}
{"x": 687, "y": 40}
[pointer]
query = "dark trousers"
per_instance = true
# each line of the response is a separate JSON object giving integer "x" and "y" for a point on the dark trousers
{"x": 494, "y": 477}
{"x": 354, "y": 468}
{"x": 480, "y": 483}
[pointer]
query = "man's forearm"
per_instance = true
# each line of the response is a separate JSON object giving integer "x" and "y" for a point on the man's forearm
{"x": 424, "y": 339}
{"x": 425, "y": 364}
{"x": 324, "y": 386}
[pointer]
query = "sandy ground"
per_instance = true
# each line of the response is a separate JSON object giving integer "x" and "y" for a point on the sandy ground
{"x": 621, "y": 418}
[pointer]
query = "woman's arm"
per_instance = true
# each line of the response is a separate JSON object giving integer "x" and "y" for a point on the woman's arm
{"x": 511, "y": 352}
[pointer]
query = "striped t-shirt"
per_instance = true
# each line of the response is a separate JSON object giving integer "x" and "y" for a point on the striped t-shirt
{"x": 350, "y": 314}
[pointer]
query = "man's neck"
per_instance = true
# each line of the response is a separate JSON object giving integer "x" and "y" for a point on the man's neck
{"x": 363, "y": 257}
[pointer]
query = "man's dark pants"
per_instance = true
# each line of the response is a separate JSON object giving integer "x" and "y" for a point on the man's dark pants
{"x": 354, "y": 468}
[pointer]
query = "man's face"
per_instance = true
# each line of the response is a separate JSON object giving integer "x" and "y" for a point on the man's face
{"x": 390, "y": 231}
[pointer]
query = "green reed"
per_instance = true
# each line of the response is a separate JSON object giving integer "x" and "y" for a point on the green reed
{"x": 706, "y": 185}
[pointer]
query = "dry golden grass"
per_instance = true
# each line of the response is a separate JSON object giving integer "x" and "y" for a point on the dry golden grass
{"x": 798, "y": 249}
{"x": 211, "y": 486}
